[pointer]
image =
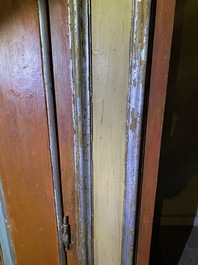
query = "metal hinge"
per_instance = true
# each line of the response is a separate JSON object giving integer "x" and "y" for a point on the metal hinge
{"x": 66, "y": 233}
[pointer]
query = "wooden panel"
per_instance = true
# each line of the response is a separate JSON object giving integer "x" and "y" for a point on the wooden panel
{"x": 63, "y": 92}
{"x": 25, "y": 165}
{"x": 159, "y": 74}
{"x": 111, "y": 21}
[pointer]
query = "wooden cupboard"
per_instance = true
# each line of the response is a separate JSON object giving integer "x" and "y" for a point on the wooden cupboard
{"x": 46, "y": 129}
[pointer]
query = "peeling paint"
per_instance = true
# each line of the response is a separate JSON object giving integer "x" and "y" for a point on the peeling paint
{"x": 6, "y": 244}
{"x": 79, "y": 30}
{"x": 137, "y": 72}
{"x": 134, "y": 122}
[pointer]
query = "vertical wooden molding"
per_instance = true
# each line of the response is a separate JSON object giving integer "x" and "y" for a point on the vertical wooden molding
{"x": 51, "y": 118}
{"x": 61, "y": 57}
{"x": 80, "y": 41}
{"x": 137, "y": 73}
{"x": 159, "y": 75}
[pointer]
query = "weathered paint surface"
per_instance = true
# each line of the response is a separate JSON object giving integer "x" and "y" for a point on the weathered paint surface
{"x": 137, "y": 72}
{"x": 111, "y": 20}
{"x": 7, "y": 255}
{"x": 81, "y": 80}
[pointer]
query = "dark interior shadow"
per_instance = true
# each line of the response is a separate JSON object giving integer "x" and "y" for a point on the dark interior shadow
{"x": 178, "y": 165}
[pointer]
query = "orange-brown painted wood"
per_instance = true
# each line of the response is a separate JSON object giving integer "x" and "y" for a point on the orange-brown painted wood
{"x": 63, "y": 92}
{"x": 159, "y": 75}
{"x": 25, "y": 165}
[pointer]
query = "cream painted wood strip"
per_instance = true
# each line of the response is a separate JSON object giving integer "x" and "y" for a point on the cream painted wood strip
{"x": 111, "y": 20}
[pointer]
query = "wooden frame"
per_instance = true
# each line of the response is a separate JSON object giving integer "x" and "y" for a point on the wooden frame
{"x": 159, "y": 75}
{"x": 79, "y": 79}
{"x": 59, "y": 29}
{"x": 52, "y": 119}
{"x": 70, "y": 38}
{"x": 70, "y": 128}
{"x": 62, "y": 123}
{"x": 80, "y": 41}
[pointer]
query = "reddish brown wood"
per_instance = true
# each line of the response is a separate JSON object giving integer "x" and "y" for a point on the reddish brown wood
{"x": 159, "y": 75}
{"x": 25, "y": 166}
{"x": 63, "y": 91}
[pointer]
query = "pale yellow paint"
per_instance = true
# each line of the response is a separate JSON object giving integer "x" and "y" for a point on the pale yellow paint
{"x": 111, "y": 20}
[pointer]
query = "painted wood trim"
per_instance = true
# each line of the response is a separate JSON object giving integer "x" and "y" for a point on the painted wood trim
{"x": 159, "y": 75}
{"x": 80, "y": 45}
{"x": 137, "y": 74}
{"x": 111, "y": 23}
{"x": 71, "y": 42}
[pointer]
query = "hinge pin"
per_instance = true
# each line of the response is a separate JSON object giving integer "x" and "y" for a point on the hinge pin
{"x": 66, "y": 232}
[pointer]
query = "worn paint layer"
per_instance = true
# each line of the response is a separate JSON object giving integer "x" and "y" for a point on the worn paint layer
{"x": 137, "y": 73}
{"x": 79, "y": 18}
{"x": 7, "y": 255}
{"x": 110, "y": 54}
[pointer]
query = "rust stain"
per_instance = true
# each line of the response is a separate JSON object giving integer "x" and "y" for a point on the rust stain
{"x": 134, "y": 121}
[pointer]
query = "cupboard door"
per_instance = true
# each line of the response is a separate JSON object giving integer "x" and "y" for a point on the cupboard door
{"x": 25, "y": 162}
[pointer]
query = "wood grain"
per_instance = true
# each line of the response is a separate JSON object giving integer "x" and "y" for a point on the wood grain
{"x": 63, "y": 93}
{"x": 159, "y": 75}
{"x": 25, "y": 165}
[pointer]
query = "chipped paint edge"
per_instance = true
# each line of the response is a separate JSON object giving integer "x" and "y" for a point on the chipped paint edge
{"x": 80, "y": 66}
{"x": 137, "y": 74}
{"x": 5, "y": 235}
